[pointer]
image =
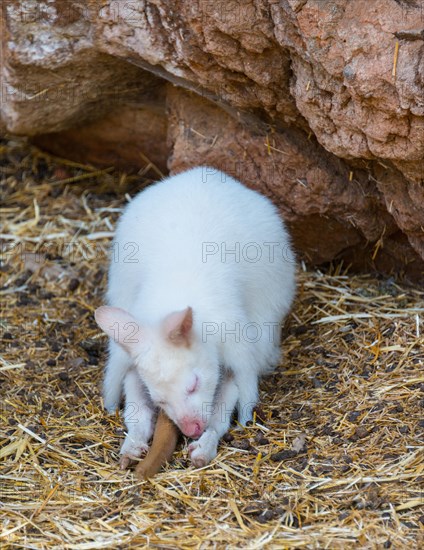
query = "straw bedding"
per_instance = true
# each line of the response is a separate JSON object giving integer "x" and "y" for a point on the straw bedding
{"x": 333, "y": 460}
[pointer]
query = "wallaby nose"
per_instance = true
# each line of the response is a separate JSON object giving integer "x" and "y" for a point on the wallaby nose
{"x": 192, "y": 428}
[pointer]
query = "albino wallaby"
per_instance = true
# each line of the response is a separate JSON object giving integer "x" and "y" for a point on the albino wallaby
{"x": 201, "y": 277}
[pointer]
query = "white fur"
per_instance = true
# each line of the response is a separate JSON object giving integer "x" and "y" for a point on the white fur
{"x": 169, "y": 225}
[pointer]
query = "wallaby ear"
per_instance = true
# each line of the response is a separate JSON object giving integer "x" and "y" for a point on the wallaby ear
{"x": 178, "y": 326}
{"x": 121, "y": 327}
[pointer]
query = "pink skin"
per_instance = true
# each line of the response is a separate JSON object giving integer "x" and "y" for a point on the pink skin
{"x": 192, "y": 427}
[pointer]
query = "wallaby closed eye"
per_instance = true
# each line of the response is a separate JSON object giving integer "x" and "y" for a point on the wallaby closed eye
{"x": 193, "y": 387}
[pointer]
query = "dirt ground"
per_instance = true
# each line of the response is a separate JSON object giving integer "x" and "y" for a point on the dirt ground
{"x": 335, "y": 458}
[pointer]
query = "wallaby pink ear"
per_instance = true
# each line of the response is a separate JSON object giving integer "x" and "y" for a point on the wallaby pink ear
{"x": 178, "y": 327}
{"x": 120, "y": 326}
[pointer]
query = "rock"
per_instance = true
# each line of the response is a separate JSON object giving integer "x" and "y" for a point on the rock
{"x": 354, "y": 104}
{"x": 360, "y": 433}
{"x": 127, "y": 138}
{"x": 318, "y": 104}
{"x": 329, "y": 216}
{"x": 283, "y": 455}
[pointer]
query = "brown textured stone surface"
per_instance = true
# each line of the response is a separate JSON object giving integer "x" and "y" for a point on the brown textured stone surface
{"x": 127, "y": 138}
{"x": 315, "y": 79}
{"x": 333, "y": 211}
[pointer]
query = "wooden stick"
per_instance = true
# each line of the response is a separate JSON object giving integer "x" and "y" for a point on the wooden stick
{"x": 163, "y": 446}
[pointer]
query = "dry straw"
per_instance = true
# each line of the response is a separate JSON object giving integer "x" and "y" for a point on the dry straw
{"x": 334, "y": 459}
